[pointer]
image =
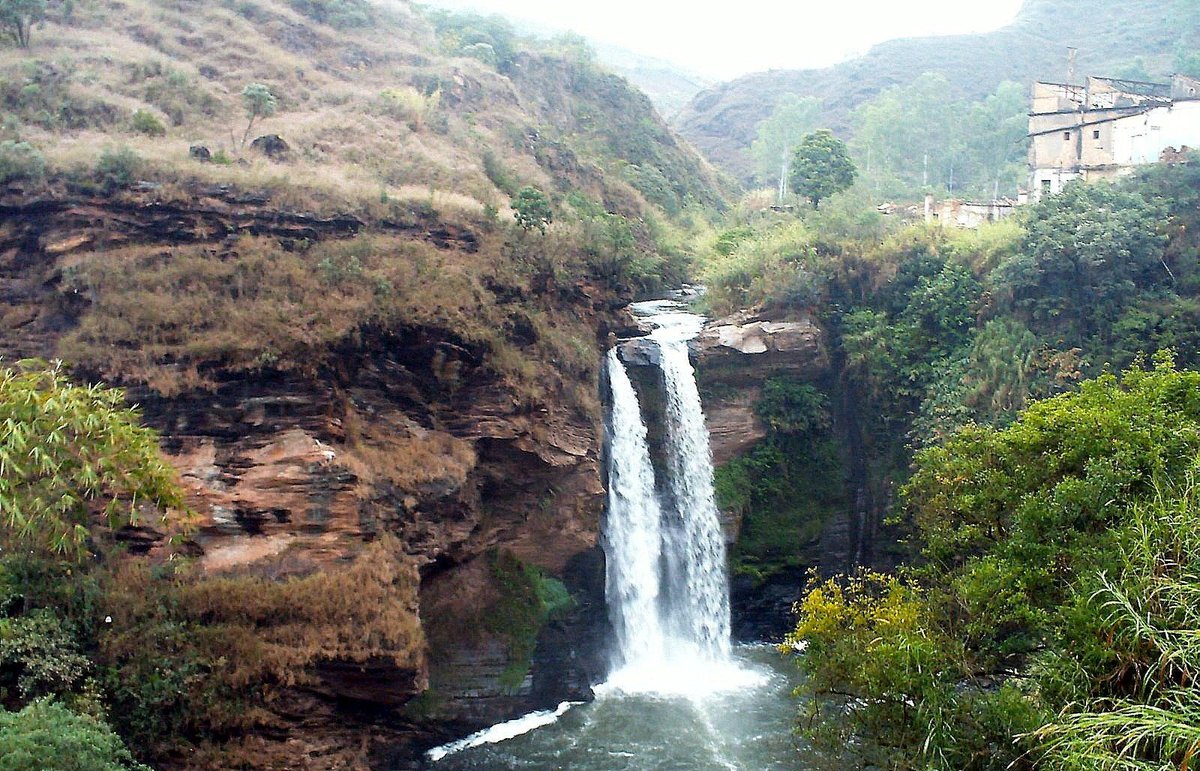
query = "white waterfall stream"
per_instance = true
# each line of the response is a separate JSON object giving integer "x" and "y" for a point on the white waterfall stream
{"x": 633, "y": 539}
{"x": 668, "y": 591}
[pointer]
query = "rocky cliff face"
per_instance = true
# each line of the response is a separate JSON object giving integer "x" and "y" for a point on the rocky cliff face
{"x": 293, "y": 471}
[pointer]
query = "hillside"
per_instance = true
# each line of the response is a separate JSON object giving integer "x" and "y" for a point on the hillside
{"x": 722, "y": 121}
{"x": 378, "y": 392}
{"x": 669, "y": 87}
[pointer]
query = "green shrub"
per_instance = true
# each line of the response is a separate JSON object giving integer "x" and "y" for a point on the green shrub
{"x": 408, "y": 104}
{"x": 339, "y": 14}
{"x": 20, "y": 161}
{"x": 39, "y": 656}
{"x": 793, "y": 408}
{"x": 146, "y": 122}
{"x": 499, "y": 174}
{"x": 72, "y": 451}
{"x": 531, "y": 209}
{"x": 118, "y": 167}
{"x": 46, "y": 735}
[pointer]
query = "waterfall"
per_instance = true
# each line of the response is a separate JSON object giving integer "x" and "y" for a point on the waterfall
{"x": 633, "y": 535}
{"x": 701, "y": 612}
{"x": 667, "y": 587}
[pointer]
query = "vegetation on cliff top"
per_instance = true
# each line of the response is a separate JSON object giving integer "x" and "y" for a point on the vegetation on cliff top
{"x": 1046, "y": 626}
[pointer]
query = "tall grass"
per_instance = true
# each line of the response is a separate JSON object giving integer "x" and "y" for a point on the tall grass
{"x": 1151, "y": 609}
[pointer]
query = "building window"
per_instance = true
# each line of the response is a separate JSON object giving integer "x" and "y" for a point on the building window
{"x": 1045, "y": 186}
{"x": 1095, "y": 133}
{"x": 1066, "y": 136}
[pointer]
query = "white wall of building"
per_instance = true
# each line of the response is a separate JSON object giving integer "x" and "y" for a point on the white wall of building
{"x": 1140, "y": 139}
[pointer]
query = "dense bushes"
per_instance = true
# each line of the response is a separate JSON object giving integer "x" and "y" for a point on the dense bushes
{"x": 339, "y": 14}
{"x": 787, "y": 485}
{"x": 1043, "y": 620}
{"x": 167, "y": 655}
{"x": 1035, "y": 539}
{"x": 48, "y": 735}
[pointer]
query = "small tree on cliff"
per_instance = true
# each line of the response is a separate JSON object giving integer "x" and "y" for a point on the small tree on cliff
{"x": 259, "y": 102}
{"x": 821, "y": 167}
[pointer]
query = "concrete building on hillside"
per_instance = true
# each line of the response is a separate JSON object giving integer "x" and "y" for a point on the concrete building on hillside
{"x": 958, "y": 213}
{"x": 1106, "y": 128}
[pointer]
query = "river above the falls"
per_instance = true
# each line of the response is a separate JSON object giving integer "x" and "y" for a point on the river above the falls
{"x": 746, "y": 727}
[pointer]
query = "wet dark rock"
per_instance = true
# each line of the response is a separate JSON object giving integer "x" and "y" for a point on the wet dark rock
{"x": 762, "y": 612}
{"x": 640, "y": 352}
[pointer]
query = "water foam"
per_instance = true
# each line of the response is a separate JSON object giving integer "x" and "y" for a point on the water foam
{"x": 502, "y": 731}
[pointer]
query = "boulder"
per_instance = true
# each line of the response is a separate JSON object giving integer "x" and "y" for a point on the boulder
{"x": 639, "y": 352}
{"x": 272, "y": 145}
{"x": 739, "y": 347}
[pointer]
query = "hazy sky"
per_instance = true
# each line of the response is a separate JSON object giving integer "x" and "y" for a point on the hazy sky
{"x": 724, "y": 38}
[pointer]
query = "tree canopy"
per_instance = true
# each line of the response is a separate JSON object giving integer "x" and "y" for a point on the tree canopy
{"x": 778, "y": 135}
{"x": 821, "y": 167}
{"x": 68, "y": 452}
{"x": 259, "y": 103}
{"x": 531, "y": 209}
{"x": 17, "y": 18}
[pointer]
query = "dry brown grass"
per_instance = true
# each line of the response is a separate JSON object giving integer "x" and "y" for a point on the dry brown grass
{"x": 162, "y": 314}
{"x": 410, "y": 457}
{"x": 360, "y": 108}
{"x": 230, "y": 643}
{"x": 170, "y": 316}
{"x": 272, "y": 631}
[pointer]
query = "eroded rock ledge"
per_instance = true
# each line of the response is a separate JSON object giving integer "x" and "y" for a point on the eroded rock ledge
{"x": 734, "y": 356}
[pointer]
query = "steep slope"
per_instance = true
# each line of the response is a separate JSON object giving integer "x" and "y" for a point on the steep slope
{"x": 346, "y": 338}
{"x": 723, "y": 121}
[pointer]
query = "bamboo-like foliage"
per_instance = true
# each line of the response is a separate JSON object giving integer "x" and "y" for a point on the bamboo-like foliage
{"x": 68, "y": 452}
{"x": 1152, "y": 609}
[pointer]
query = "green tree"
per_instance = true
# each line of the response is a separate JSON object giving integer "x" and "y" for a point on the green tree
{"x": 1086, "y": 255}
{"x": 46, "y": 735}
{"x": 259, "y": 103}
{"x": 919, "y": 136}
{"x": 67, "y": 452}
{"x": 993, "y": 144}
{"x": 531, "y": 209}
{"x": 821, "y": 167}
{"x": 17, "y": 18}
{"x": 778, "y": 135}
{"x": 907, "y": 136}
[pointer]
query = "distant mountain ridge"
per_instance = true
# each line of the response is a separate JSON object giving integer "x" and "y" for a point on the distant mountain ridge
{"x": 723, "y": 121}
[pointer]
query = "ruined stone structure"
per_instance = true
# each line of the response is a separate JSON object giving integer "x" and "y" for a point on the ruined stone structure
{"x": 1106, "y": 128}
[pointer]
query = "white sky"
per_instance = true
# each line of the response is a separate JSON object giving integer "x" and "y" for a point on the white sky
{"x": 721, "y": 39}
